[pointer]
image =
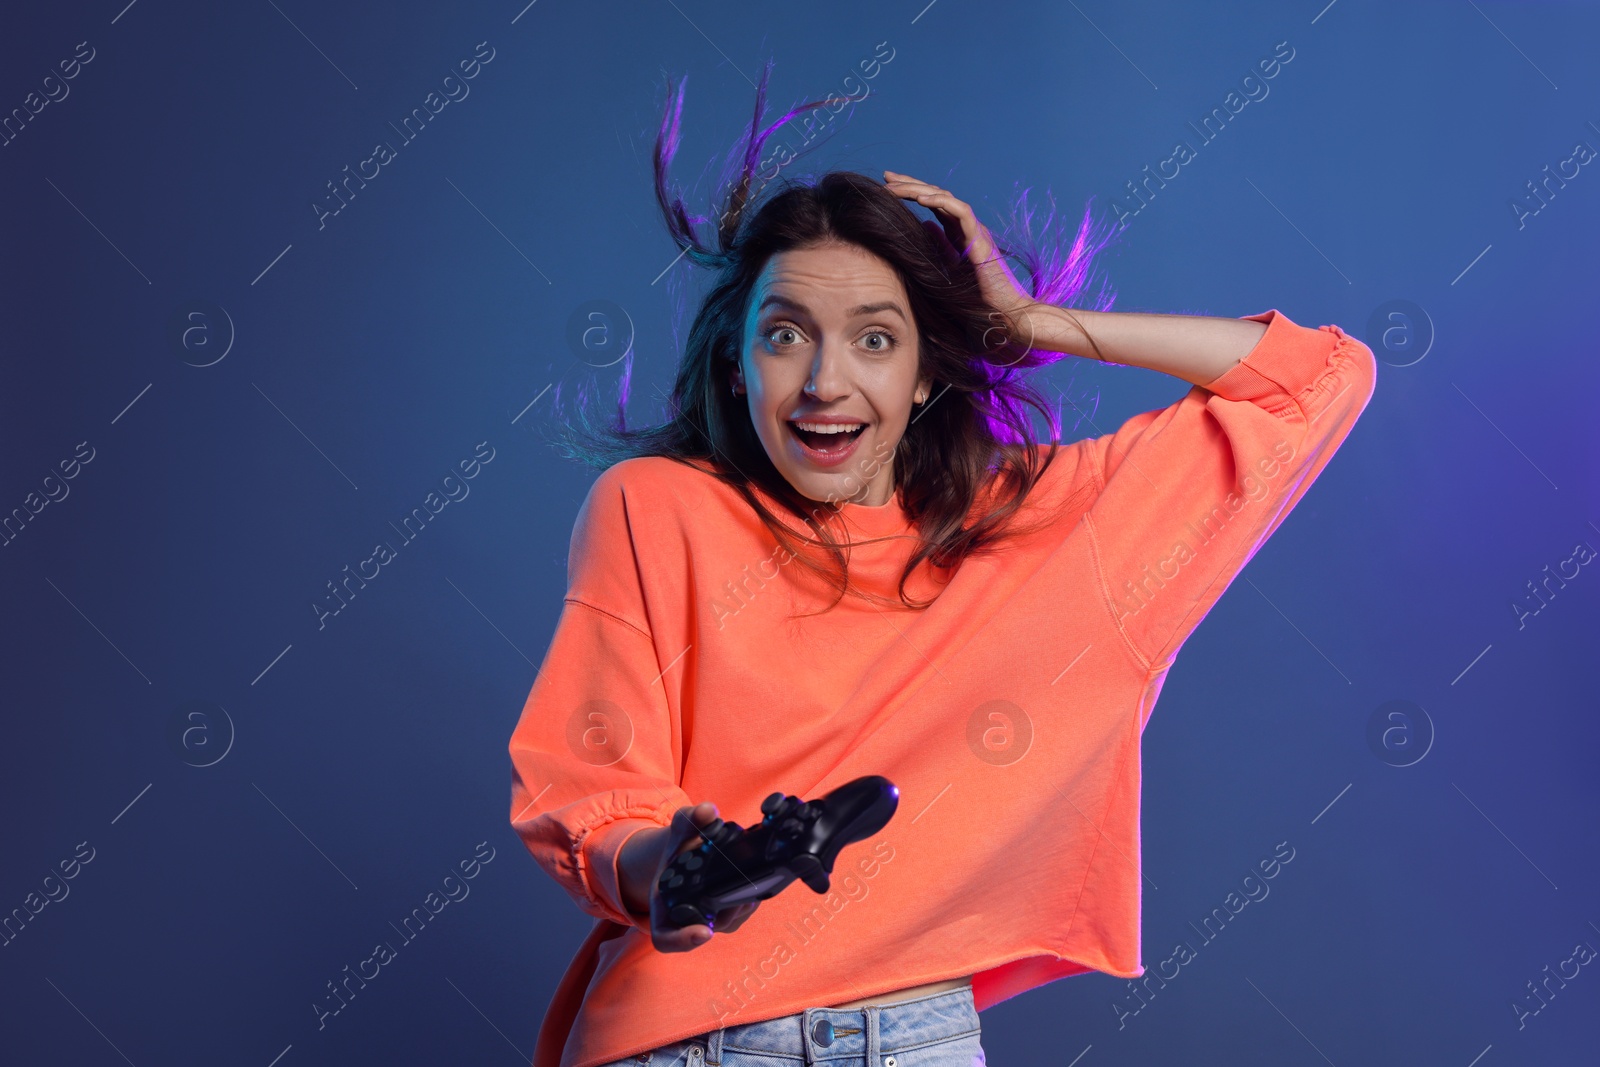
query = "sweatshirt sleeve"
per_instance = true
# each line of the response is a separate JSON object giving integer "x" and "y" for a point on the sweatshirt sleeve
{"x": 595, "y": 755}
{"x": 1189, "y": 492}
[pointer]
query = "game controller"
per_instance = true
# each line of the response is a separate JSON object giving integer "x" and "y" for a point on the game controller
{"x": 795, "y": 839}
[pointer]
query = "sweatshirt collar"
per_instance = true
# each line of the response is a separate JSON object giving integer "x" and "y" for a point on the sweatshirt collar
{"x": 875, "y": 521}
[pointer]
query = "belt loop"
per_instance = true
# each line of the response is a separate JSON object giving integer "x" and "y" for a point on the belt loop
{"x": 874, "y": 1058}
{"x": 714, "y": 1048}
{"x": 806, "y": 1023}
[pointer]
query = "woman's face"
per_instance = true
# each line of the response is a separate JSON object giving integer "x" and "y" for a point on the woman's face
{"x": 829, "y": 336}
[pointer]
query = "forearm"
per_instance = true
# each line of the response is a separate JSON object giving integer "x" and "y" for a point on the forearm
{"x": 1197, "y": 348}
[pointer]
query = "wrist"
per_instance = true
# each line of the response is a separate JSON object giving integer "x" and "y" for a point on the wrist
{"x": 636, "y": 866}
{"x": 1051, "y": 328}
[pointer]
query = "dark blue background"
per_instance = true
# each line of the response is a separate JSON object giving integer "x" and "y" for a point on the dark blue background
{"x": 367, "y": 758}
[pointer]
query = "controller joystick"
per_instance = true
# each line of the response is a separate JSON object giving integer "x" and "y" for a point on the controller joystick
{"x": 796, "y": 839}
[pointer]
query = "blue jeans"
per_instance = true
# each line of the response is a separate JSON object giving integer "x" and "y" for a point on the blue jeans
{"x": 940, "y": 1030}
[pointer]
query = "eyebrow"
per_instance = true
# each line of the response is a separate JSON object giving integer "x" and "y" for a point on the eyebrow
{"x": 775, "y": 299}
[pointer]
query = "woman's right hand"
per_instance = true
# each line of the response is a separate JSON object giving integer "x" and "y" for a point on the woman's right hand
{"x": 646, "y": 855}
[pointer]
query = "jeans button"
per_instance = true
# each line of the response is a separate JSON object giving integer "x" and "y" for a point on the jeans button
{"x": 822, "y": 1033}
{"x": 888, "y": 1061}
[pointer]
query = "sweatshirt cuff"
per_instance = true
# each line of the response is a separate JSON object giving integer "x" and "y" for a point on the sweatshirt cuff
{"x": 602, "y": 848}
{"x": 1285, "y": 361}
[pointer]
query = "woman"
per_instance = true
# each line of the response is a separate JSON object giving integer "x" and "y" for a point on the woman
{"x": 760, "y": 601}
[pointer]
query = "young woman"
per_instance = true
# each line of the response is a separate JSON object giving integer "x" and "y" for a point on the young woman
{"x": 844, "y": 554}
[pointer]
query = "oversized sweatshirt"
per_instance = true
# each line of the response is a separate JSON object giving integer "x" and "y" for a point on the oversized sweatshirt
{"x": 689, "y": 663}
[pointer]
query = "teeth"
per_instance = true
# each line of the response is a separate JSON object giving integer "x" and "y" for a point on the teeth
{"x": 824, "y": 427}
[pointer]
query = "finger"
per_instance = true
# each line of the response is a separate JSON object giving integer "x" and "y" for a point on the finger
{"x": 940, "y": 200}
{"x": 951, "y": 211}
{"x": 705, "y": 813}
{"x": 891, "y": 177}
{"x": 963, "y": 232}
{"x": 692, "y": 815}
{"x": 962, "y": 226}
{"x": 680, "y": 939}
{"x": 669, "y": 938}
{"x": 910, "y": 189}
{"x": 686, "y": 825}
{"x": 953, "y": 231}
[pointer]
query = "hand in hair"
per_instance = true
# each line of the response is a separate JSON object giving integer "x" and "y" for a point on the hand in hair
{"x": 972, "y": 239}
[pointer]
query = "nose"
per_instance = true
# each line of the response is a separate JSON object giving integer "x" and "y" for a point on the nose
{"x": 829, "y": 380}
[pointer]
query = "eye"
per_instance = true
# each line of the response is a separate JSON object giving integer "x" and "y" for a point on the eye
{"x": 888, "y": 341}
{"x": 777, "y": 330}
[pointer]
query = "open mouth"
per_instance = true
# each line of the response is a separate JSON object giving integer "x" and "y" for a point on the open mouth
{"x": 827, "y": 442}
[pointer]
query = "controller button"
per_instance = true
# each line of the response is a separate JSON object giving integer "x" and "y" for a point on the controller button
{"x": 692, "y": 862}
{"x": 789, "y": 825}
{"x": 771, "y": 804}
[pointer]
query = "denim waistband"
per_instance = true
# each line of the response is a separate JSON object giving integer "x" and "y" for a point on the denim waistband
{"x": 818, "y": 1035}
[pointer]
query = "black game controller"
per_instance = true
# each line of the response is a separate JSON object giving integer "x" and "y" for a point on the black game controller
{"x": 796, "y": 839}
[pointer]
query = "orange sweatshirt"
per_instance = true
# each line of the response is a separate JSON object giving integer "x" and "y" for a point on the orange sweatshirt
{"x": 1009, "y": 712}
